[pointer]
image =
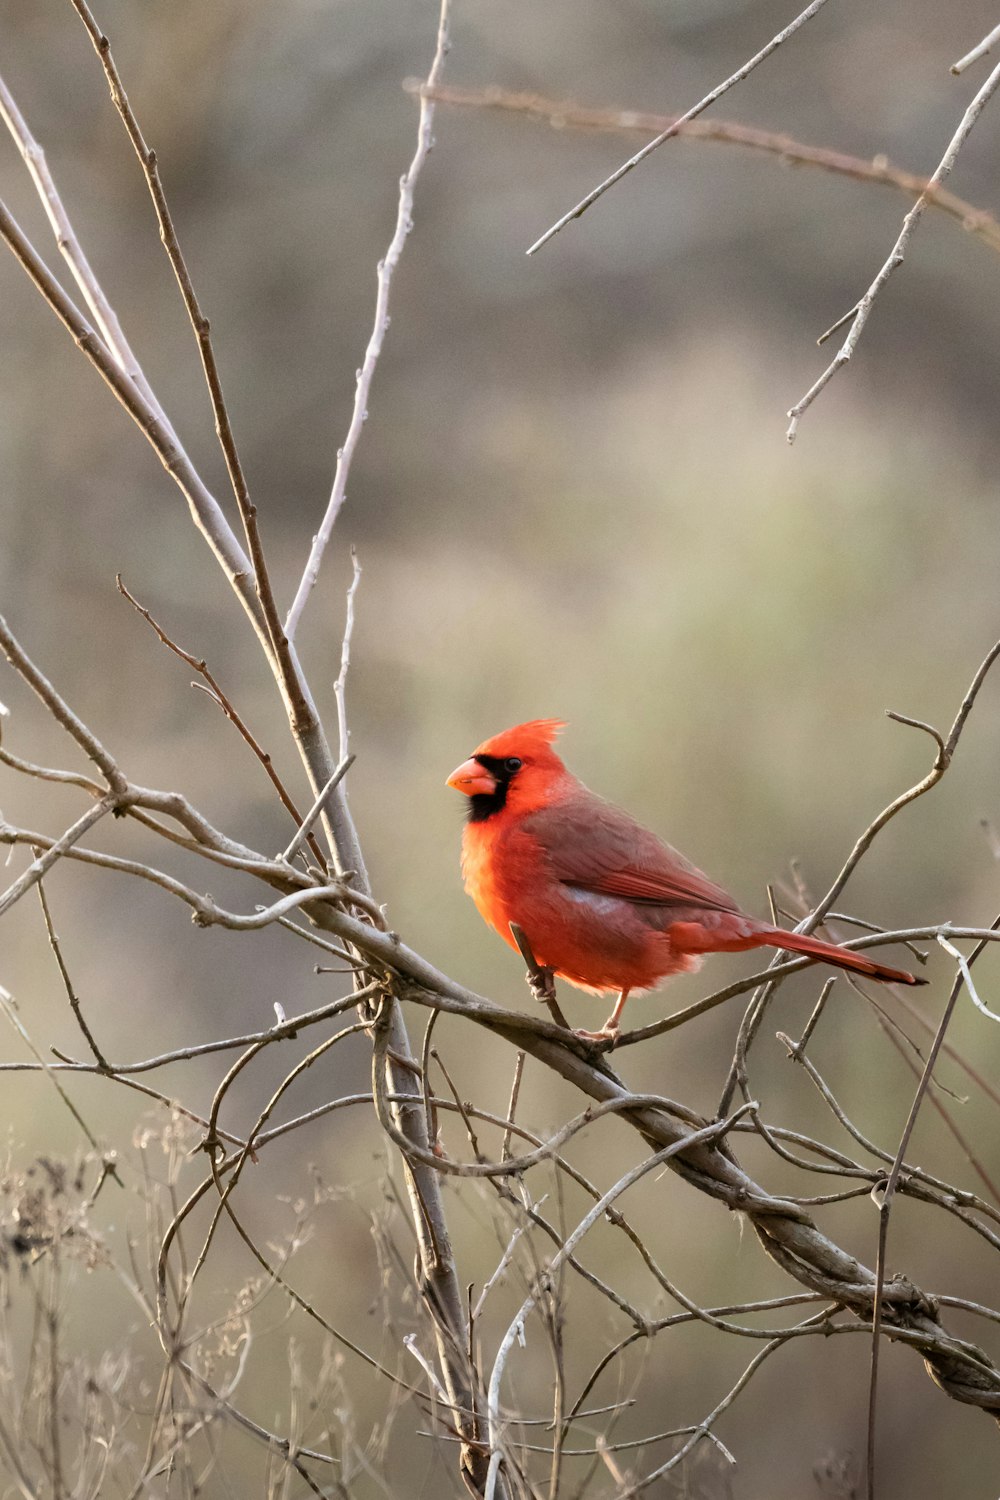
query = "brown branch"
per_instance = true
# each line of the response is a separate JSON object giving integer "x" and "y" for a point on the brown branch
{"x": 205, "y": 510}
{"x": 567, "y": 115}
{"x": 200, "y": 324}
{"x": 945, "y": 750}
{"x": 937, "y": 1104}
{"x": 885, "y": 1206}
{"x": 71, "y": 995}
{"x": 359, "y": 414}
{"x": 199, "y": 665}
{"x": 439, "y": 1288}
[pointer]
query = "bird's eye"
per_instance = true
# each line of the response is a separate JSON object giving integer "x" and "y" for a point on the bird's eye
{"x": 512, "y": 764}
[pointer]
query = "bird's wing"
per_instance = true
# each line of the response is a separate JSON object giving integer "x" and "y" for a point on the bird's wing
{"x": 597, "y": 847}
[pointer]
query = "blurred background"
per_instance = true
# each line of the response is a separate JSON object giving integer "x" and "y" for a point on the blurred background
{"x": 573, "y": 497}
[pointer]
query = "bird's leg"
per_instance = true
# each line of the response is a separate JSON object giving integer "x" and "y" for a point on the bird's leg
{"x": 609, "y": 1031}
{"x": 541, "y": 981}
{"x": 542, "y": 985}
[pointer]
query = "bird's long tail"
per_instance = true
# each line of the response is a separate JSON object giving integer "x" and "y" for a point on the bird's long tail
{"x": 843, "y": 958}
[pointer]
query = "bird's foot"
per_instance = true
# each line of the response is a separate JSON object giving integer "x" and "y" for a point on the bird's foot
{"x": 542, "y": 985}
{"x": 606, "y": 1037}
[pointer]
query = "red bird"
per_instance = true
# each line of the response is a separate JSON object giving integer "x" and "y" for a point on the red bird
{"x": 603, "y": 902}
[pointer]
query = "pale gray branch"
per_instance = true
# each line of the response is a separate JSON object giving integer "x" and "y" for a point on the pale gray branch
{"x": 385, "y": 270}
{"x": 861, "y": 313}
{"x": 675, "y": 126}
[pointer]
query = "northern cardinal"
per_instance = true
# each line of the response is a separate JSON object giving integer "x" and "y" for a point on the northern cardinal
{"x": 603, "y": 902}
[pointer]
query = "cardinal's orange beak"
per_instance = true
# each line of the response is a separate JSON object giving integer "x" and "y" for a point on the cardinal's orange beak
{"x": 472, "y": 779}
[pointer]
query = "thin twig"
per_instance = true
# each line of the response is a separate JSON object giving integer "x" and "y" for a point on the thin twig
{"x": 817, "y": 1011}
{"x": 72, "y": 251}
{"x": 978, "y": 51}
{"x": 942, "y": 760}
{"x": 386, "y": 268}
{"x": 540, "y": 980}
{"x": 674, "y": 127}
{"x": 199, "y": 665}
{"x": 896, "y": 254}
{"x": 568, "y": 115}
{"x": 515, "y": 1089}
{"x": 200, "y": 324}
{"x": 285, "y": 1030}
{"x": 59, "y": 708}
{"x": 963, "y": 966}
{"x": 885, "y": 1205}
{"x": 10, "y": 1011}
{"x": 148, "y": 417}
{"x": 819, "y": 1324}
{"x": 317, "y": 807}
{"x": 71, "y": 995}
{"x": 937, "y": 1104}
{"x": 54, "y": 850}
{"x": 340, "y": 686}
{"x": 709, "y": 1133}
{"x": 916, "y": 1174}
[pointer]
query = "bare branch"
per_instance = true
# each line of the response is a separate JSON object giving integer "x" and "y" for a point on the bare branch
{"x": 980, "y": 50}
{"x": 199, "y": 323}
{"x": 966, "y": 975}
{"x": 54, "y": 851}
{"x": 885, "y": 1205}
{"x": 59, "y": 709}
{"x": 69, "y": 245}
{"x": 71, "y": 994}
{"x": 205, "y": 510}
{"x": 946, "y": 750}
{"x": 386, "y": 268}
{"x": 318, "y": 805}
{"x": 897, "y": 254}
{"x": 281, "y": 1032}
{"x": 340, "y": 686}
{"x": 567, "y": 115}
{"x": 707, "y": 1134}
{"x": 674, "y": 127}
{"x": 216, "y": 693}
{"x": 10, "y": 1011}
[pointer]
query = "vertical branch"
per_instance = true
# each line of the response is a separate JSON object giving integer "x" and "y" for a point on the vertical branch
{"x": 885, "y": 1206}
{"x": 386, "y": 267}
{"x": 290, "y": 675}
{"x": 71, "y": 995}
{"x": 340, "y": 686}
